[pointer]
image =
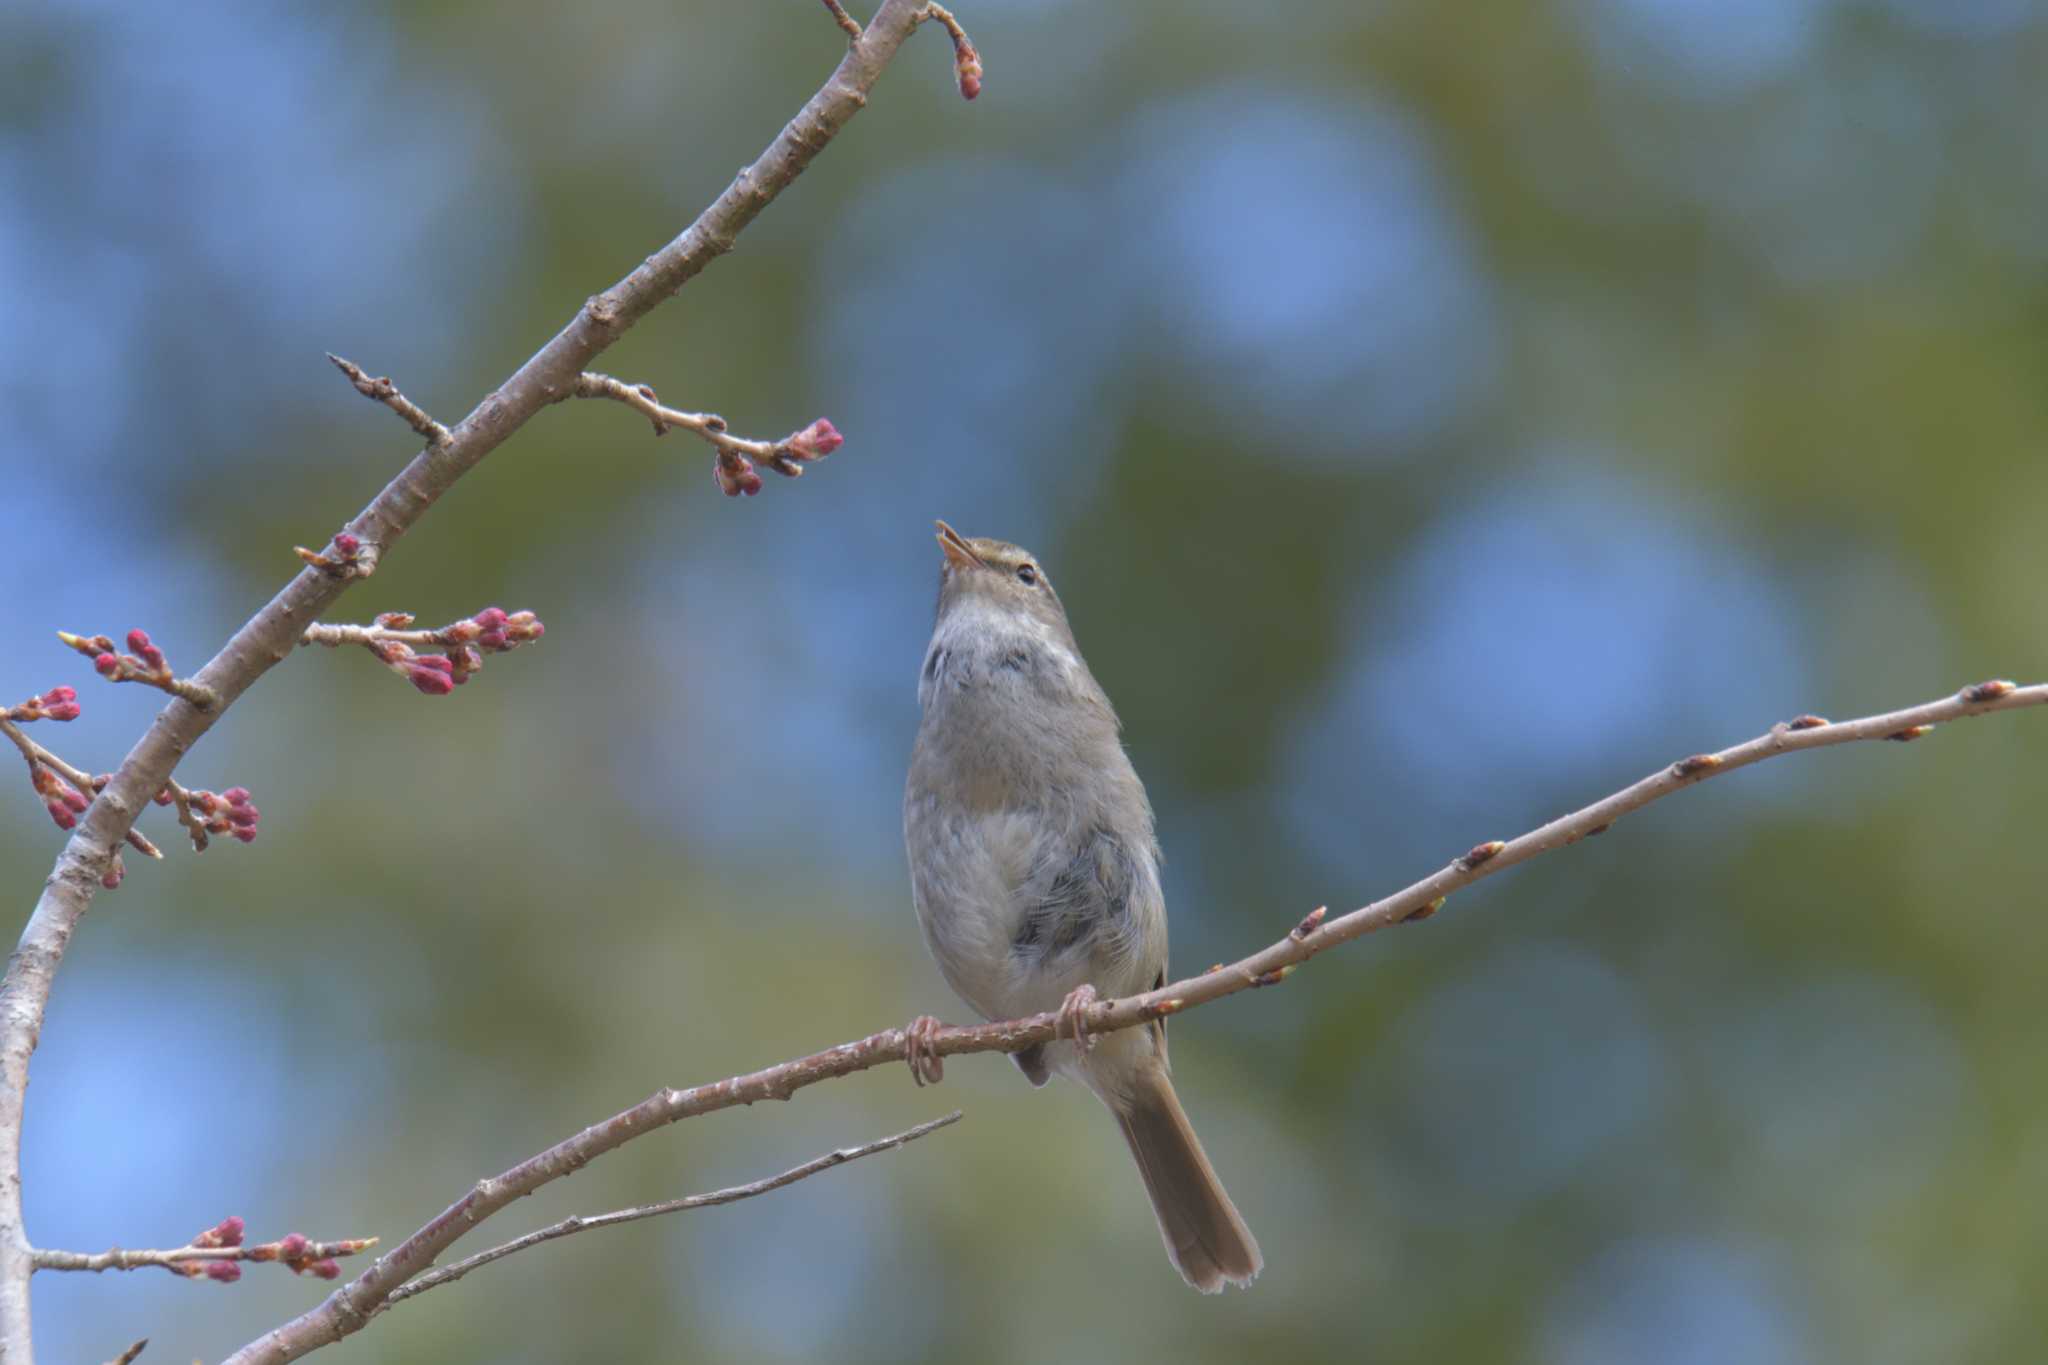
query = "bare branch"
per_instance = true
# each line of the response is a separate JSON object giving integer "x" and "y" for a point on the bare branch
{"x": 733, "y": 469}
{"x": 385, "y": 392}
{"x": 269, "y": 637}
{"x": 843, "y": 19}
{"x": 449, "y": 1274}
{"x": 127, "y": 1357}
{"x": 351, "y": 1306}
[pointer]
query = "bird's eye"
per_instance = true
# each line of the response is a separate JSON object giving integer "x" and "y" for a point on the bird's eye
{"x": 1026, "y": 574}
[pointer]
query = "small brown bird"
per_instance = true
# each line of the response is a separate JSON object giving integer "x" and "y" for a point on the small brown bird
{"x": 1035, "y": 872}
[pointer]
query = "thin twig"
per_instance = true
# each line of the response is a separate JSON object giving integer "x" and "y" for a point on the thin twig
{"x": 734, "y": 469}
{"x": 127, "y": 1357}
{"x": 1312, "y": 934}
{"x": 966, "y": 58}
{"x": 843, "y": 19}
{"x": 641, "y": 398}
{"x": 146, "y": 666}
{"x": 37, "y": 755}
{"x": 116, "y": 1258}
{"x": 449, "y": 1274}
{"x": 384, "y": 391}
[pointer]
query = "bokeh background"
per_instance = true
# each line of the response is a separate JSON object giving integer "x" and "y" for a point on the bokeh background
{"x": 1434, "y": 415}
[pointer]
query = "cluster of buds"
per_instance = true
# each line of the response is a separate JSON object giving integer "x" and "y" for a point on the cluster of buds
{"x": 300, "y": 1254}
{"x": 226, "y": 1233}
{"x": 59, "y": 703}
{"x": 734, "y": 472}
{"x": 64, "y": 801}
{"x": 205, "y": 813}
{"x": 143, "y": 663}
{"x": 491, "y": 631}
{"x": 348, "y": 560}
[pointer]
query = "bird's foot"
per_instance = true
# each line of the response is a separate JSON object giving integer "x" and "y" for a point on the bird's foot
{"x": 1073, "y": 1018}
{"x": 926, "y": 1066}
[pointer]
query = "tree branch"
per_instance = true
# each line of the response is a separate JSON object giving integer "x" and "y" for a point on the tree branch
{"x": 734, "y": 469}
{"x": 296, "y": 1252}
{"x": 449, "y": 1274}
{"x": 350, "y": 1307}
{"x": 269, "y": 636}
{"x": 384, "y": 391}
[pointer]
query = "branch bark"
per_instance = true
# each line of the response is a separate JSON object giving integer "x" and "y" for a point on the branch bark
{"x": 351, "y": 1306}
{"x": 269, "y": 636}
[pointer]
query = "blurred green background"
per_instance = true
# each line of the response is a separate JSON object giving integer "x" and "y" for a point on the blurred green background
{"x": 1435, "y": 416}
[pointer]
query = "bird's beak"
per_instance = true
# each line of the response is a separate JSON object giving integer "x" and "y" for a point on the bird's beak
{"x": 959, "y": 553}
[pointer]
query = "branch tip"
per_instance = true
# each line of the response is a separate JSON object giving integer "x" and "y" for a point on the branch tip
{"x": 382, "y": 390}
{"x": 734, "y": 460}
{"x": 393, "y": 643}
{"x": 966, "y": 59}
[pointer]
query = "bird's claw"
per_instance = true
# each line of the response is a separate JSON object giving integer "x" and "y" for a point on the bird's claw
{"x": 926, "y": 1066}
{"x": 1073, "y": 1017}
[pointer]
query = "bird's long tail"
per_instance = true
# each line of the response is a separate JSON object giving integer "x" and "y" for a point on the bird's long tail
{"x": 1205, "y": 1237}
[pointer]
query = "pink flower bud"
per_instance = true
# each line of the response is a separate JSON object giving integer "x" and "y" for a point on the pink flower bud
{"x": 347, "y": 545}
{"x": 735, "y": 475}
{"x": 107, "y": 664}
{"x": 967, "y": 66}
{"x": 138, "y": 641}
{"x": 815, "y": 441}
{"x": 163, "y": 798}
{"x": 227, "y": 1272}
{"x": 293, "y": 1246}
{"x": 61, "y": 813}
{"x": 430, "y": 681}
{"x": 246, "y": 833}
{"x": 63, "y": 710}
{"x": 57, "y": 696}
{"x": 111, "y": 878}
{"x": 236, "y": 796}
{"x": 75, "y": 799}
{"x": 244, "y": 815}
{"x": 153, "y": 658}
{"x": 328, "y": 1269}
{"x": 492, "y": 618}
{"x": 226, "y": 1233}
{"x": 497, "y": 641}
